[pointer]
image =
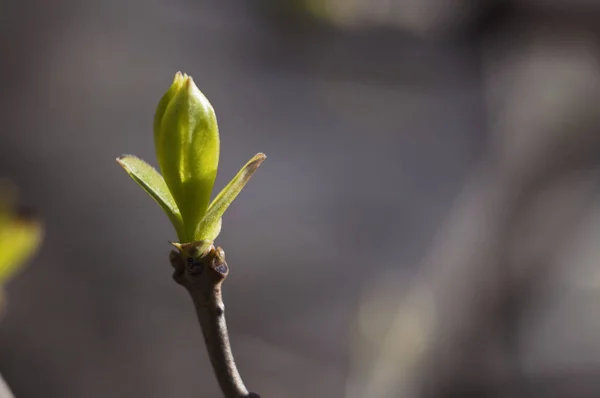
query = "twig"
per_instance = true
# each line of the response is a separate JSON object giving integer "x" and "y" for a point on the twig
{"x": 202, "y": 278}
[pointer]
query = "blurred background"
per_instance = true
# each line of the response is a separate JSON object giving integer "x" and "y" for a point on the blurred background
{"x": 426, "y": 223}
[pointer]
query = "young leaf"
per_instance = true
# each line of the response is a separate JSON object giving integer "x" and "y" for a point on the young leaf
{"x": 164, "y": 102}
{"x": 154, "y": 184}
{"x": 210, "y": 225}
{"x": 210, "y": 231}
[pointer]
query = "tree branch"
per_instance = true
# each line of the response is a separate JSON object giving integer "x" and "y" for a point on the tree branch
{"x": 202, "y": 276}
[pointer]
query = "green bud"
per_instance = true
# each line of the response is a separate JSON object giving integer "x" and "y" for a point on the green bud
{"x": 186, "y": 137}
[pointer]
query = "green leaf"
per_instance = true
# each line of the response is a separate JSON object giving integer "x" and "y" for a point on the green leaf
{"x": 164, "y": 102}
{"x": 154, "y": 184}
{"x": 209, "y": 228}
{"x": 209, "y": 231}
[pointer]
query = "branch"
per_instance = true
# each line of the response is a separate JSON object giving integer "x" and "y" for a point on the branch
{"x": 202, "y": 278}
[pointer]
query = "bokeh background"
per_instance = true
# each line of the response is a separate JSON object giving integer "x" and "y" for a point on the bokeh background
{"x": 426, "y": 223}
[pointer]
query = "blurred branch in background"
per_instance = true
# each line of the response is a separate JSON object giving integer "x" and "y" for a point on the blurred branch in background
{"x": 422, "y": 17}
{"x": 4, "y": 390}
{"x": 458, "y": 329}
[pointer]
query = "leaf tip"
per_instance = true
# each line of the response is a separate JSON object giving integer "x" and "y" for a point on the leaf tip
{"x": 256, "y": 161}
{"x": 121, "y": 159}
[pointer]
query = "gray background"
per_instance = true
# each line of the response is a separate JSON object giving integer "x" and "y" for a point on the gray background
{"x": 370, "y": 137}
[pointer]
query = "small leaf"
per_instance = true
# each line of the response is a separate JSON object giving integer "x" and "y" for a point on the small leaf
{"x": 209, "y": 228}
{"x": 210, "y": 231}
{"x": 164, "y": 102}
{"x": 154, "y": 184}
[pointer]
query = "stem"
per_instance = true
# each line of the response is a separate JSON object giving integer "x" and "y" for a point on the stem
{"x": 202, "y": 277}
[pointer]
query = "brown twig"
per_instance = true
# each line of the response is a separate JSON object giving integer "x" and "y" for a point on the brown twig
{"x": 202, "y": 276}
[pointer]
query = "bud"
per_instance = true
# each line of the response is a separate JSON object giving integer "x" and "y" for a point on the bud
{"x": 186, "y": 137}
